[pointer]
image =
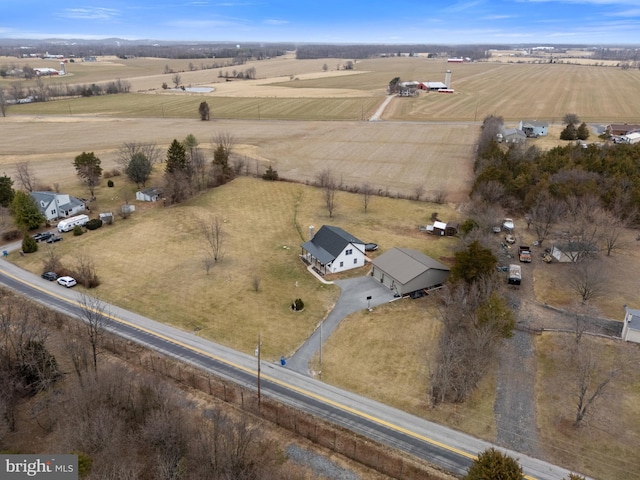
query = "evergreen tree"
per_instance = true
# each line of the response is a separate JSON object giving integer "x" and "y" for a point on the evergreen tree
{"x": 176, "y": 158}
{"x": 6, "y": 191}
{"x": 88, "y": 169}
{"x": 473, "y": 263}
{"x": 139, "y": 169}
{"x": 583, "y": 131}
{"x": 26, "y": 214}
{"x": 569, "y": 132}
{"x": 29, "y": 245}
{"x": 494, "y": 465}
{"x": 203, "y": 110}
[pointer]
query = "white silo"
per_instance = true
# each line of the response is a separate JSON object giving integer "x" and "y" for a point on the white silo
{"x": 447, "y": 78}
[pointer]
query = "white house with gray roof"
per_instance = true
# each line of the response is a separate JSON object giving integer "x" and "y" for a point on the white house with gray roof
{"x": 534, "y": 128}
{"x": 631, "y": 327}
{"x": 405, "y": 271}
{"x": 333, "y": 250}
{"x": 58, "y": 205}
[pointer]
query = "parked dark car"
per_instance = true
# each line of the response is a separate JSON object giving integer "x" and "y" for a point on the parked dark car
{"x": 51, "y": 276}
{"x": 42, "y": 236}
{"x": 54, "y": 239}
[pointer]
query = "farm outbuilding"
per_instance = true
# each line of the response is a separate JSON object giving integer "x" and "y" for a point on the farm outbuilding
{"x": 148, "y": 194}
{"x": 571, "y": 252}
{"x": 631, "y": 326}
{"x": 405, "y": 271}
{"x": 333, "y": 250}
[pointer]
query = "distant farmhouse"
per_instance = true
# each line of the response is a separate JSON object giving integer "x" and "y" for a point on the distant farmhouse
{"x": 534, "y": 128}
{"x": 619, "y": 129}
{"x": 56, "y": 205}
{"x": 512, "y": 135}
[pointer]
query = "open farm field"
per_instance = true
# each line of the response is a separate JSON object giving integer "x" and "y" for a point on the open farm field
{"x": 393, "y": 157}
{"x": 516, "y": 91}
{"x": 185, "y": 105}
{"x": 512, "y": 90}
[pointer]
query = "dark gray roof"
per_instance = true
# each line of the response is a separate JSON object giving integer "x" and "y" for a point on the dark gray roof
{"x": 329, "y": 242}
{"x": 151, "y": 191}
{"x": 405, "y": 264}
{"x": 48, "y": 197}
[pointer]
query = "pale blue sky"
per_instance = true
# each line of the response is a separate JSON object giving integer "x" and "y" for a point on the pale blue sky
{"x": 329, "y": 21}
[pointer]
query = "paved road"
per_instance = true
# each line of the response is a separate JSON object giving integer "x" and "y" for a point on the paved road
{"x": 451, "y": 450}
{"x": 353, "y": 298}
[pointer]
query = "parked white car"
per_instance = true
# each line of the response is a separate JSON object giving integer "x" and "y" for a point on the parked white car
{"x": 507, "y": 224}
{"x": 67, "y": 281}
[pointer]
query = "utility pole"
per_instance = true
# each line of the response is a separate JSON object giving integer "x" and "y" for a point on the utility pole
{"x": 258, "y": 353}
{"x": 320, "y": 372}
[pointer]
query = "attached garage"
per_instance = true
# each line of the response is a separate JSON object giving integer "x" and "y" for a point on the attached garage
{"x": 404, "y": 271}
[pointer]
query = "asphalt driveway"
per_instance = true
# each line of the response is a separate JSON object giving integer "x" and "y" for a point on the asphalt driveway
{"x": 353, "y": 298}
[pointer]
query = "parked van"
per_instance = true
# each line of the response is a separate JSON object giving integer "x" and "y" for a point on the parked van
{"x": 515, "y": 275}
{"x": 68, "y": 224}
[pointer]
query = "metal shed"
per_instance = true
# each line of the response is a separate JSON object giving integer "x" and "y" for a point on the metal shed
{"x": 404, "y": 271}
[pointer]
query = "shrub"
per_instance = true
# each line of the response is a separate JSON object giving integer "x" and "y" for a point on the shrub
{"x": 110, "y": 184}
{"x": 297, "y": 305}
{"x": 270, "y": 174}
{"x": 93, "y": 224}
{"x": 11, "y": 235}
{"x": 115, "y": 172}
{"x": 77, "y": 231}
{"x": 29, "y": 245}
{"x": 494, "y": 464}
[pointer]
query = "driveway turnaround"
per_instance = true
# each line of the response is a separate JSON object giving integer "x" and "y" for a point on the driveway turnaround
{"x": 357, "y": 294}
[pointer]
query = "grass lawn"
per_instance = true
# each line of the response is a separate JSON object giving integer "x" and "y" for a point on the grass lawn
{"x": 152, "y": 263}
{"x": 606, "y": 443}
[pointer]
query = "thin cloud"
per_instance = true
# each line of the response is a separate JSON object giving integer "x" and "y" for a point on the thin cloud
{"x": 275, "y": 22}
{"x": 462, "y": 6}
{"x": 97, "y": 13}
{"x": 497, "y": 17}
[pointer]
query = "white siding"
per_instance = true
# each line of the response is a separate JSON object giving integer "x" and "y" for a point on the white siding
{"x": 354, "y": 259}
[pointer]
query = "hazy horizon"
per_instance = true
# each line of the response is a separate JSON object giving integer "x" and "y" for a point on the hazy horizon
{"x": 588, "y": 22}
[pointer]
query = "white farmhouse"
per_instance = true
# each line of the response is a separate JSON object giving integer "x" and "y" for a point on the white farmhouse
{"x": 58, "y": 205}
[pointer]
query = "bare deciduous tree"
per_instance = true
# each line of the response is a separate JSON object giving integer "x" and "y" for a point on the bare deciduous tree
{"x": 25, "y": 176}
{"x": 328, "y": 183}
{"x": 93, "y": 312}
{"x": 591, "y": 377}
{"x": 176, "y": 79}
{"x": 213, "y": 232}
{"x": 589, "y": 278}
{"x": 256, "y": 282}
{"x": 367, "y": 191}
{"x": 128, "y": 149}
{"x": 3, "y": 102}
{"x": 418, "y": 192}
{"x": 544, "y": 214}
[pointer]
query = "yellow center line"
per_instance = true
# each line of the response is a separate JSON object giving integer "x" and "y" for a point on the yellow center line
{"x": 302, "y": 391}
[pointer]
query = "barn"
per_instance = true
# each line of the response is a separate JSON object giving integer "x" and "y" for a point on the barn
{"x": 405, "y": 271}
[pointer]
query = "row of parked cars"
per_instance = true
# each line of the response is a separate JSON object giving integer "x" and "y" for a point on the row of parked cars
{"x": 48, "y": 237}
{"x": 65, "y": 281}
